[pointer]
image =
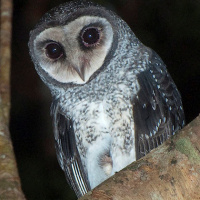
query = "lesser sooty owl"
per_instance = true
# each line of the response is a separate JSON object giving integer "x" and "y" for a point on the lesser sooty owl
{"x": 113, "y": 99}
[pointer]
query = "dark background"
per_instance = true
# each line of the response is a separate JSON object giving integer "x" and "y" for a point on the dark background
{"x": 170, "y": 27}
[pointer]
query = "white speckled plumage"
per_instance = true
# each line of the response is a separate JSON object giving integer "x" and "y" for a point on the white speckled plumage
{"x": 112, "y": 103}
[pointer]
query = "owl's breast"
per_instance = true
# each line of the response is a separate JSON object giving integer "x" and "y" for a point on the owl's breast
{"x": 104, "y": 129}
{"x": 110, "y": 117}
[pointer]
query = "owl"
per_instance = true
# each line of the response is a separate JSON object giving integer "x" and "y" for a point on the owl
{"x": 113, "y": 98}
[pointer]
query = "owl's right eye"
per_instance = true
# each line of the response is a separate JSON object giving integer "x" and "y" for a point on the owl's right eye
{"x": 54, "y": 51}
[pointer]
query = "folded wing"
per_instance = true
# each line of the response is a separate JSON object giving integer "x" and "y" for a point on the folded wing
{"x": 157, "y": 108}
{"x": 67, "y": 152}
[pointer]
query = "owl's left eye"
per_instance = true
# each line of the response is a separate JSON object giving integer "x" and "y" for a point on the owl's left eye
{"x": 90, "y": 36}
{"x": 54, "y": 50}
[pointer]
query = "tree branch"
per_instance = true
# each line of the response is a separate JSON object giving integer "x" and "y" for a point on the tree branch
{"x": 172, "y": 171}
{"x": 10, "y": 187}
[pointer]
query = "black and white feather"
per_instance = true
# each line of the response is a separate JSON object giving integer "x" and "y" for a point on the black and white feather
{"x": 113, "y": 99}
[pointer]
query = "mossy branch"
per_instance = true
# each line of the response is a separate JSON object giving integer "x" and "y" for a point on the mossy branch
{"x": 170, "y": 172}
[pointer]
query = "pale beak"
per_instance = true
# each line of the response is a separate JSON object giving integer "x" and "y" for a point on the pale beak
{"x": 80, "y": 71}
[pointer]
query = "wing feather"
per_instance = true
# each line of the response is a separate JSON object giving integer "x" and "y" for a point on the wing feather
{"x": 67, "y": 152}
{"x": 157, "y": 108}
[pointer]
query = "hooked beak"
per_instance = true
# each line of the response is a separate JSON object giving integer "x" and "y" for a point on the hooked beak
{"x": 80, "y": 71}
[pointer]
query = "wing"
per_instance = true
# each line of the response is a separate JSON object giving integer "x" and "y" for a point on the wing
{"x": 157, "y": 108}
{"x": 67, "y": 152}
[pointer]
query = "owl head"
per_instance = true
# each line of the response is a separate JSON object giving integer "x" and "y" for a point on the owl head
{"x": 72, "y": 43}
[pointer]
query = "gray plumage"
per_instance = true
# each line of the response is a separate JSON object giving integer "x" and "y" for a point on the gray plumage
{"x": 113, "y": 99}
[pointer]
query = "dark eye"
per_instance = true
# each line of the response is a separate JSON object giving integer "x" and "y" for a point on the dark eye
{"x": 54, "y": 50}
{"x": 90, "y": 36}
